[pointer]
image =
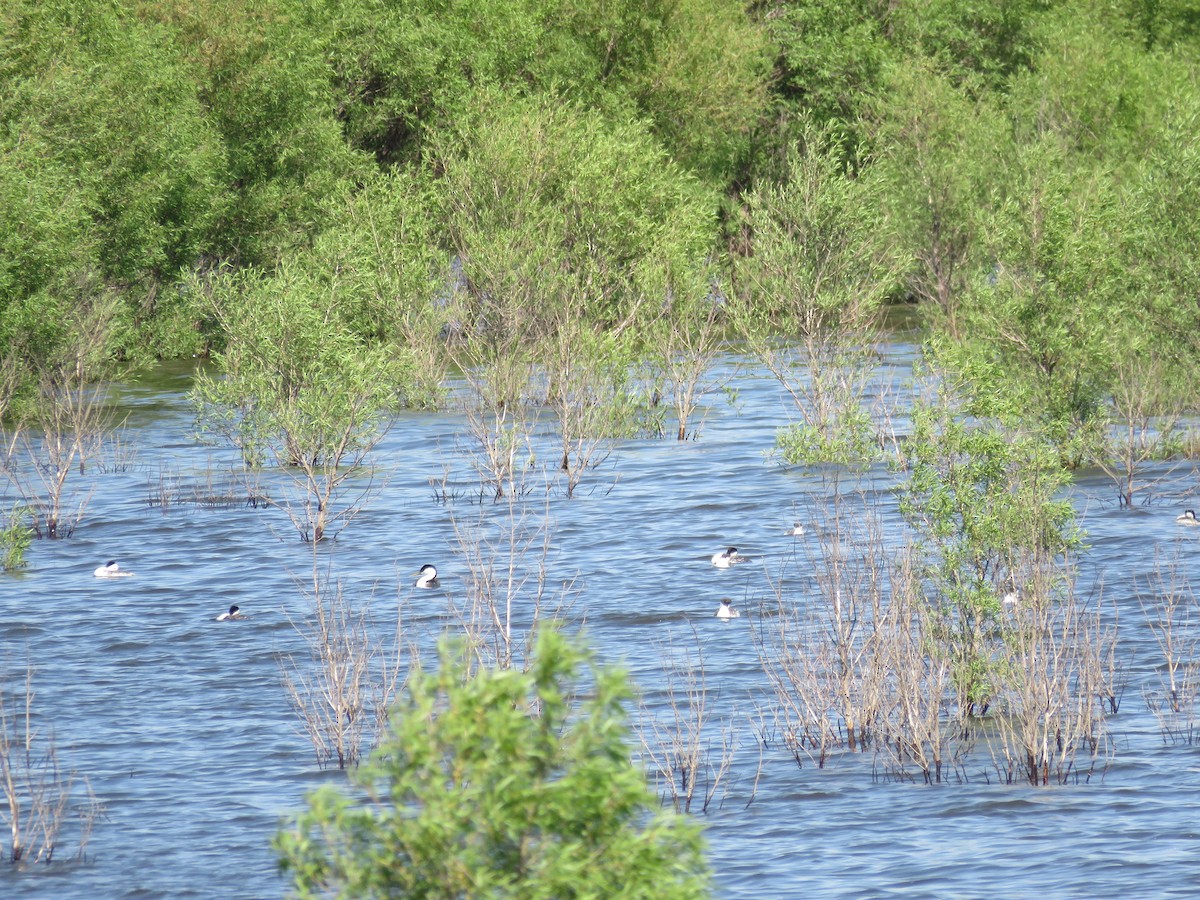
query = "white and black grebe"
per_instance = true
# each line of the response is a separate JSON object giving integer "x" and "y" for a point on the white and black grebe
{"x": 111, "y": 570}
{"x": 427, "y": 577}
{"x": 726, "y": 558}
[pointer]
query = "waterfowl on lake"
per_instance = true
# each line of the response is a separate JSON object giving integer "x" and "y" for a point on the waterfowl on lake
{"x": 233, "y": 614}
{"x": 428, "y": 577}
{"x": 727, "y": 558}
{"x": 726, "y": 610}
{"x": 1188, "y": 518}
{"x": 111, "y": 570}
{"x": 796, "y": 530}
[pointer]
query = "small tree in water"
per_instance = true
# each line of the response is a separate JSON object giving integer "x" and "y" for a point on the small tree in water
{"x": 299, "y": 386}
{"x": 500, "y": 785}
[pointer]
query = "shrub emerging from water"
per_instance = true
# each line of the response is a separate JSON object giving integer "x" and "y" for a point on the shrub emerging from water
{"x": 500, "y": 784}
{"x": 15, "y": 539}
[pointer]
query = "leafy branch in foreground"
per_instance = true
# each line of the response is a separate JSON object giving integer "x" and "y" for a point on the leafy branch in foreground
{"x": 500, "y": 784}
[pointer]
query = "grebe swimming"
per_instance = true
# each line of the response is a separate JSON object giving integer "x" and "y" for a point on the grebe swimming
{"x": 233, "y": 614}
{"x": 726, "y": 610}
{"x": 111, "y": 570}
{"x": 1188, "y": 518}
{"x": 727, "y": 558}
{"x": 428, "y": 577}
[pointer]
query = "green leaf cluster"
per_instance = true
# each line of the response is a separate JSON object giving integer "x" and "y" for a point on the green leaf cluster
{"x": 16, "y": 537}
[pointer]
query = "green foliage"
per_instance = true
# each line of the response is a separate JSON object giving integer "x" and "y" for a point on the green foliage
{"x": 379, "y": 245}
{"x": 820, "y": 258}
{"x": 402, "y": 69}
{"x": 975, "y": 42}
{"x": 1164, "y": 230}
{"x": 1091, "y": 85}
{"x": 412, "y": 70}
{"x": 813, "y": 287}
{"x": 848, "y": 439}
{"x": 294, "y": 379}
{"x": 988, "y": 507}
{"x": 500, "y": 783}
{"x": 983, "y": 494}
{"x": 703, "y": 86}
{"x": 569, "y": 234}
{"x": 265, "y": 91}
{"x": 1040, "y": 326}
{"x": 107, "y": 104}
{"x": 110, "y": 176}
{"x": 297, "y": 383}
{"x": 16, "y": 537}
{"x": 1032, "y": 162}
{"x": 549, "y": 205}
{"x": 940, "y": 152}
{"x": 831, "y": 59}
{"x": 1173, "y": 24}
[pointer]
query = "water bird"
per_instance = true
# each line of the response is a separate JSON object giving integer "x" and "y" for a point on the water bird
{"x": 234, "y": 614}
{"x": 111, "y": 570}
{"x": 796, "y": 530}
{"x": 1188, "y": 518}
{"x": 726, "y": 610}
{"x": 727, "y": 558}
{"x": 427, "y": 577}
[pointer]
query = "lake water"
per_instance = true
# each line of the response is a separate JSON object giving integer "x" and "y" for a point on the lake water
{"x": 187, "y": 737}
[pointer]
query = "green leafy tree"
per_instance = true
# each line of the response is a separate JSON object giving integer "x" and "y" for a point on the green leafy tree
{"x": 980, "y": 43}
{"x": 938, "y": 154}
{"x": 1040, "y": 325}
{"x": 987, "y": 506}
{"x": 297, "y": 385}
{"x": 406, "y": 72}
{"x": 703, "y": 86}
{"x": 829, "y": 64}
{"x": 561, "y": 224}
{"x": 546, "y": 202}
{"x": 1091, "y": 84}
{"x": 811, "y": 293}
{"x": 1162, "y": 238}
{"x": 111, "y": 176}
{"x": 264, "y": 85}
{"x": 500, "y": 784}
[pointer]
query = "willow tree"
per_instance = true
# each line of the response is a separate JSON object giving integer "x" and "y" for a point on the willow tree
{"x": 295, "y": 386}
{"x": 810, "y": 293}
{"x": 320, "y": 351}
{"x": 986, "y": 506}
{"x": 939, "y": 153}
{"x": 58, "y": 355}
{"x": 558, "y": 219}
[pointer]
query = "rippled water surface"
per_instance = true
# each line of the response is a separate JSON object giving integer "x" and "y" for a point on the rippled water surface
{"x": 186, "y": 735}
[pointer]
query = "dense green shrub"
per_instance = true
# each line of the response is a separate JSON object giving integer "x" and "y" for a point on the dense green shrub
{"x": 500, "y": 783}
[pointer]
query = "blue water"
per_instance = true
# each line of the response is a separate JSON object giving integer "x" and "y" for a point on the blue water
{"x": 185, "y": 733}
